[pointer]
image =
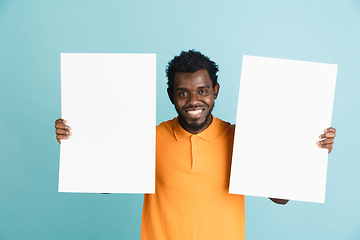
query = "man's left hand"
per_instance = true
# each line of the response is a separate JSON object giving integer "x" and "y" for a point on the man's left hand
{"x": 328, "y": 136}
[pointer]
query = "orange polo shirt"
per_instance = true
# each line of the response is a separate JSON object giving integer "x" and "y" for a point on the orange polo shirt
{"x": 192, "y": 200}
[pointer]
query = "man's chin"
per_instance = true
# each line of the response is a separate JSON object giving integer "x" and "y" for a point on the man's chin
{"x": 196, "y": 126}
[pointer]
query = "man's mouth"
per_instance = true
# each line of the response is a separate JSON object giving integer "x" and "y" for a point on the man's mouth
{"x": 195, "y": 112}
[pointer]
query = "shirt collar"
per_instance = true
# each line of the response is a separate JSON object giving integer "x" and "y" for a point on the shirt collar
{"x": 209, "y": 134}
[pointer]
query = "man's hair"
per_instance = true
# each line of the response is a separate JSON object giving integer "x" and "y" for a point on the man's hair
{"x": 190, "y": 61}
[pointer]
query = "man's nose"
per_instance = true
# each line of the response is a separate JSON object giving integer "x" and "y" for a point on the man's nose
{"x": 193, "y": 98}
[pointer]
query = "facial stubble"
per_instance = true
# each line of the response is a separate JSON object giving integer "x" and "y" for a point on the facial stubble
{"x": 194, "y": 127}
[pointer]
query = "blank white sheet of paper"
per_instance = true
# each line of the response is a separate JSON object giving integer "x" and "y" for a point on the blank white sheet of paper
{"x": 109, "y": 101}
{"x": 283, "y": 107}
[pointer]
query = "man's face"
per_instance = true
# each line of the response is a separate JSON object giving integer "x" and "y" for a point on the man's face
{"x": 193, "y": 96}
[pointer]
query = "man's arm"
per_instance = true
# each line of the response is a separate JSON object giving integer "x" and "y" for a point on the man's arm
{"x": 328, "y": 142}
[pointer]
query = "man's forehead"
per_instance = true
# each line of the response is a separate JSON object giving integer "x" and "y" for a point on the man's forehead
{"x": 199, "y": 76}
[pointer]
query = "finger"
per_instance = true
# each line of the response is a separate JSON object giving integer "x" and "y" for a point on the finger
{"x": 59, "y": 139}
{"x": 330, "y": 129}
{"x": 62, "y": 126}
{"x": 327, "y": 135}
{"x": 327, "y": 145}
{"x": 326, "y": 141}
{"x": 62, "y": 137}
{"x": 60, "y": 120}
{"x": 62, "y": 132}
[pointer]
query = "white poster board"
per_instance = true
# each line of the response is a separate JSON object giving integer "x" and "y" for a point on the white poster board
{"x": 109, "y": 101}
{"x": 284, "y": 105}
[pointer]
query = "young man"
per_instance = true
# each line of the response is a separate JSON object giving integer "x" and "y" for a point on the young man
{"x": 193, "y": 160}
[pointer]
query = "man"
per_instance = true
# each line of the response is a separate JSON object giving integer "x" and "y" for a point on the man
{"x": 193, "y": 159}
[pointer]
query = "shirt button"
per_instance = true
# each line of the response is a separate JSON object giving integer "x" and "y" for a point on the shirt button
{"x": 195, "y": 151}
{"x": 193, "y": 137}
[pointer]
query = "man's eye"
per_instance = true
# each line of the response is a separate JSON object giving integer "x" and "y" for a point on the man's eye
{"x": 182, "y": 93}
{"x": 203, "y": 92}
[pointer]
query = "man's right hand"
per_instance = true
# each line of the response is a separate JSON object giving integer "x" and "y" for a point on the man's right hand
{"x": 62, "y": 130}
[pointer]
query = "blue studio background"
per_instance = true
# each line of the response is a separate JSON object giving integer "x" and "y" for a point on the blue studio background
{"x": 34, "y": 33}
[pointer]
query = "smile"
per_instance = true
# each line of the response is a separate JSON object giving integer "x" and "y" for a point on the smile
{"x": 194, "y": 112}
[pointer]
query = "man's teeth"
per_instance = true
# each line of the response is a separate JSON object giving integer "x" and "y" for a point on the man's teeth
{"x": 194, "y": 112}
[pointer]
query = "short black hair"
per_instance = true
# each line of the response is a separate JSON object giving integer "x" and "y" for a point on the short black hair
{"x": 191, "y": 61}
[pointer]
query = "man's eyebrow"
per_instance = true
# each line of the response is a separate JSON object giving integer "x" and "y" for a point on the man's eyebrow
{"x": 181, "y": 89}
{"x": 206, "y": 86}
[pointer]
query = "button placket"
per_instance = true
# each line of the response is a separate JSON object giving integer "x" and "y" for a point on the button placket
{"x": 194, "y": 152}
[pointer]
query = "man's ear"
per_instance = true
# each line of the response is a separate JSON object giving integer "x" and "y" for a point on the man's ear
{"x": 171, "y": 96}
{"x": 216, "y": 90}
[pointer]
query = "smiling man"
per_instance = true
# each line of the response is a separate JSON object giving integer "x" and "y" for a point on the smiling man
{"x": 193, "y": 159}
{"x": 193, "y": 95}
